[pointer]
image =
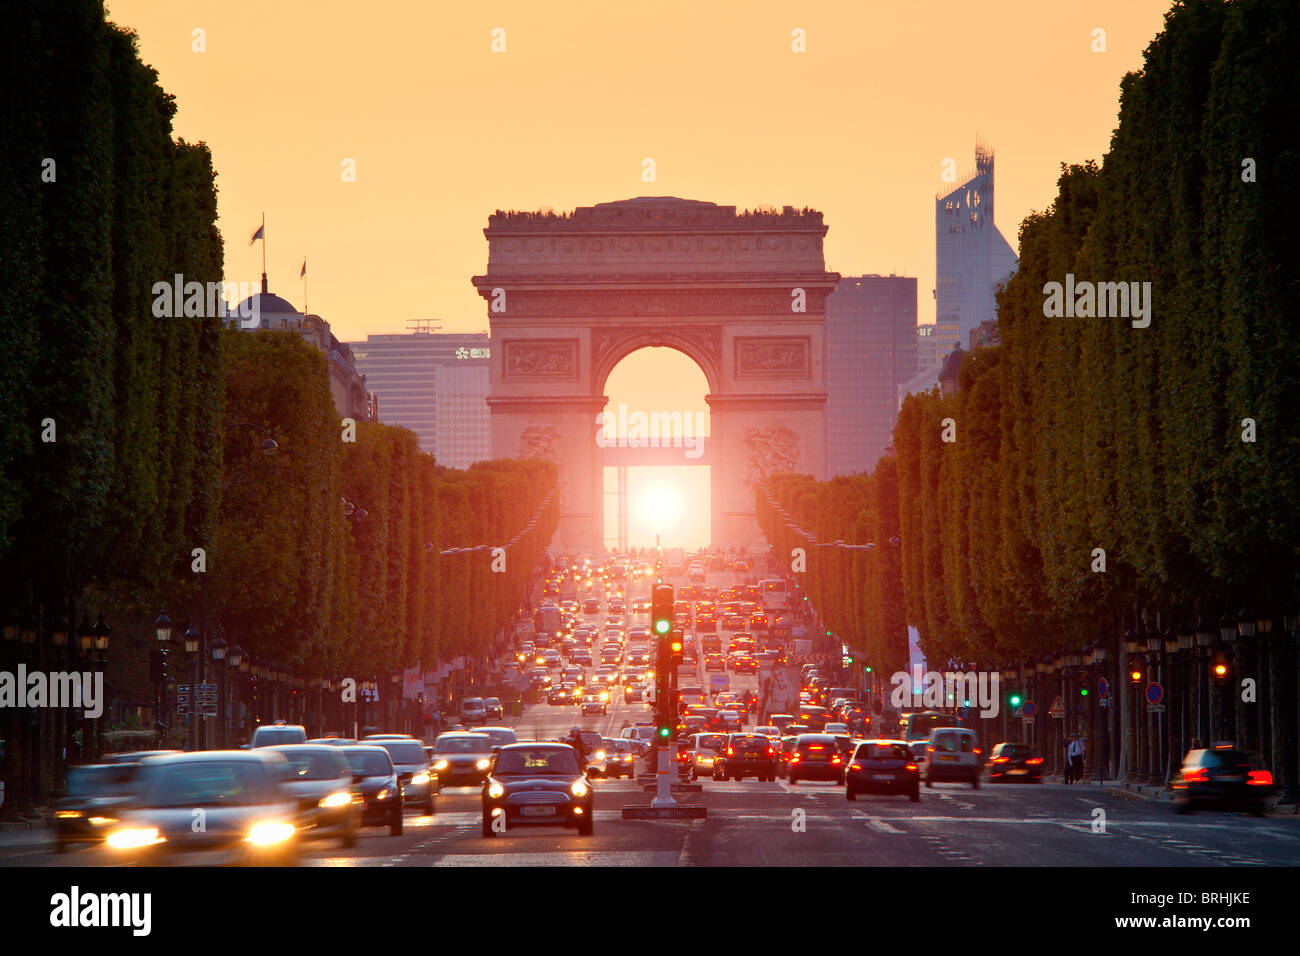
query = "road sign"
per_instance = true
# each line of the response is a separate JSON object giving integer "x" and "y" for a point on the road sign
{"x": 1103, "y": 688}
{"x": 1156, "y": 708}
{"x": 1029, "y": 708}
{"x": 1058, "y": 707}
{"x": 1155, "y": 693}
{"x": 1028, "y": 721}
{"x": 1104, "y": 702}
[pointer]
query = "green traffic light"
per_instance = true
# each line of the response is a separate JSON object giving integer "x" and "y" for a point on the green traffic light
{"x": 1083, "y": 692}
{"x": 663, "y": 731}
{"x": 1015, "y": 700}
{"x": 661, "y": 627}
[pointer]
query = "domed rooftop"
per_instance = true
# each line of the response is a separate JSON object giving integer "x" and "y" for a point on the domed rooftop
{"x": 266, "y": 302}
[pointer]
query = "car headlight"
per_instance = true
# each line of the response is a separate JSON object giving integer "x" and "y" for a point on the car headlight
{"x": 382, "y": 794}
{"x": 604, "y": 696}
{"x": 134, "y": 838}
{"x": 102, "y": 821}
{"x": 339, "y": 798}
{"x": 600, "y": 755}
{"x": 496, "y": 791}
{"x": 579, "y": 788}
{"x": 483, "y": 764}
{"x": 419, "y": 779}
{"x": 269, "y": 832}
{"x": 440, "y": 765}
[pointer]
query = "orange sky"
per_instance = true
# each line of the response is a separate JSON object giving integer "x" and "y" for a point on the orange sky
{"x": 444, "y": 131}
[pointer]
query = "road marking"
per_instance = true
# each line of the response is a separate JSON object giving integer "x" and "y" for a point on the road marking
{"x": 880, "y": 826}
{"x": 562, "y": 858}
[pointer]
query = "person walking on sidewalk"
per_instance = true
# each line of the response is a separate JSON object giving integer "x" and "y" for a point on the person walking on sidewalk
{"x": 1076, "y": 757}
{"x": 1069, "y": 760}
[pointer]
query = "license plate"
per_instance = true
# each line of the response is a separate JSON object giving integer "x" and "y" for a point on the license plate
{"x": 1233, "y": 778}
{"x": 537, "y": 812}
{"x": 888, "y": 777}
{"x": 1017, "y": 773}
{"x": 946, "y": 757}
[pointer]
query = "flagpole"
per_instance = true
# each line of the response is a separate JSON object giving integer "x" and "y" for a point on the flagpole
{"x": 304, "y": 286}
{"x": 263, "y": 248}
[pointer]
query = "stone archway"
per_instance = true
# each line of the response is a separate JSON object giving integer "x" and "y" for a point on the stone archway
{"x": 743, "y": 295}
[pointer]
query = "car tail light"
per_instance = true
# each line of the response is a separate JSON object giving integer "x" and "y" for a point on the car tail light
{"x": 1260, "y": 778}
{"x": 929, "y": 750}
{"x": 794, "y": 758}
{"x": 911, "y": 766}
{"x": 855, "y": 766}
{"x": 1200, "y": 775}
{"x": 835, "y": 758}
{"x": 1034, "y": 761}
{"x": 978, "y": 751}
{"x": 770, "y": 752}
{"x": 731, "y": 752}
{"x": 1001, "y": 759}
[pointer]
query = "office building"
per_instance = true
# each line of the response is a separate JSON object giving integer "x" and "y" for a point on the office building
{"x": 436, "y": 384}
{"x": 871, "y": 347}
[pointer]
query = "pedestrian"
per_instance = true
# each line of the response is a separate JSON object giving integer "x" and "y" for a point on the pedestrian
{"x": 1069, "y": 760}
{"x": 1076, "y": 760}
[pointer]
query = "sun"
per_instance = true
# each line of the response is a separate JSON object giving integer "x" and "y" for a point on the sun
{"x": 660, "y": 507}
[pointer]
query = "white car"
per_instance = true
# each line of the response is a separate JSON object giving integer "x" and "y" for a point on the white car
{"x": 473, "y": 709}
{"x": 836, "y": 729}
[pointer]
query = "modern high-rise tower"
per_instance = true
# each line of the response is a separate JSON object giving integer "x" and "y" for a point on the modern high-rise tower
{"x": 971, "y": 256}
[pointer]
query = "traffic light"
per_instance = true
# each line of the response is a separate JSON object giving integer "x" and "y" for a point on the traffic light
{"x": 676, "y": 645}
{"x": 1220, "y": 668}
{"x": 1083, "y": 689}
{"x": 661, "y": 609}
{"x": 1015, "y": 700}
{"x": 1135, "y": 675}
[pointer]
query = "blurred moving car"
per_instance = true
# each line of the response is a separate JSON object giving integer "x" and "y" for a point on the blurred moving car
{"x": 536, "y": 784}
{"x": 882, "y": 766}
{"x": 419, "y": 782}
{"x": 462, "y": 759}
{"x": 268, "y": 735}
{"x": 498, "y": 737}
{"x": 952, "y": 754}
{"x": 1014, "y": 761}
{"x": 473, "y": 710}
{"x": 1222, "y": 777}
{"x": 492, "y": 709}
{"x": 320, "y": 781}
{"x": 595, "y": 701}
{"x": 376, "y": 782}
{"x": 247, "y": 814}
{"x": 88, "y": 804}
{"x": 816, "y": 757}
{"x": 746, "y": 755}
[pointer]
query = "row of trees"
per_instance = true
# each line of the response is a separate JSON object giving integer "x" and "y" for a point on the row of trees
{"x": 1171, "y": 448}
{"x": 127, "y": 440}
{"x": 327, "y": 592}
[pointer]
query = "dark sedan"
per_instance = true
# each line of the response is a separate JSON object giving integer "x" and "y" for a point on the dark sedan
{"x": 536, "y": 784}
{"x": 462, "y": 759}
{"x": 1014, "y": 762}
{"x": 1223, "y": 777}
{"x": 882, "y": 766}
{"x": 87, "y": 807}
{"x": 375, "y": 779}
{"x": 816, "y": 757}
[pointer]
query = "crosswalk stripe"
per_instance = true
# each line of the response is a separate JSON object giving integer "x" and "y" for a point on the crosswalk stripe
{"x": 562, "y": 858}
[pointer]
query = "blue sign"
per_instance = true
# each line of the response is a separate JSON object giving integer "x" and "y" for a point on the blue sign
{"x": 1103, "y": 688}
{"x": 1154, "y": 692}
{"x": 1028, "y": 708}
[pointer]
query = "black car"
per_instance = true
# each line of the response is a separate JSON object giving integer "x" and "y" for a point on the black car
{"x": 320, "y": 781}
{"x": 1014, "y": 763}
{"x": 87, "y": 805}
{"x": 419, "y": 781}
{"x": 1222, "y": 777}
{"x": 746, "y": 755}
{"x": 816, "y": 757}
{"x": 462, "y": 759}
{"x": 492, "y": 709}
{"x": 882, "y": 766}
{"x": 375, "y": 780}
{"x": 537, "y": 784}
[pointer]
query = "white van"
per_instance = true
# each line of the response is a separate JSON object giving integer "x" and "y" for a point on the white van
{"x": 953, "y": 754}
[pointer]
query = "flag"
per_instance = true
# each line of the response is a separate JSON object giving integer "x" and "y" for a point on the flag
{"x": 303, "y": 273}
{"x": 257, "y": 234}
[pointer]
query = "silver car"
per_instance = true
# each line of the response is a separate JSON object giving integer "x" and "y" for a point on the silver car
{"x": 227, "y": 805}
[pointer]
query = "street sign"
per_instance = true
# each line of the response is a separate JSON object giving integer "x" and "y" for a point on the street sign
{"x": 1028, "y": 721}
{"x": 1156, "y": 708}
{"x": 1029, "y": 708}
{"x": 1104, "y": 702}
{"x": 1155, "y": 693}
{"x": 1103, "y": 688}
{"x": 1058, "y": 707}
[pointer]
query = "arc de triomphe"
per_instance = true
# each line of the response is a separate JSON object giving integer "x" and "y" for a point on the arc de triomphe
{"x": 570, "y": 295}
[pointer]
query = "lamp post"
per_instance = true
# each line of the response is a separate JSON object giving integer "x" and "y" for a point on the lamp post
{"x": 235, "y": 662}
{"x": 1228, "y": 635}
{"x": 1131, "y": 689}
{"x": 1287, "y": 736}
{"x": 219, "y": 658}
{"x": 1155, "y": 769}
{"x": 1099, "y": 654}
{"x": 1243, "y": 645}
{"x": 1204, "y": 709}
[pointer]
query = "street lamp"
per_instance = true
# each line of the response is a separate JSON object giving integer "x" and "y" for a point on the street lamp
{"x": 162, "y": 627}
